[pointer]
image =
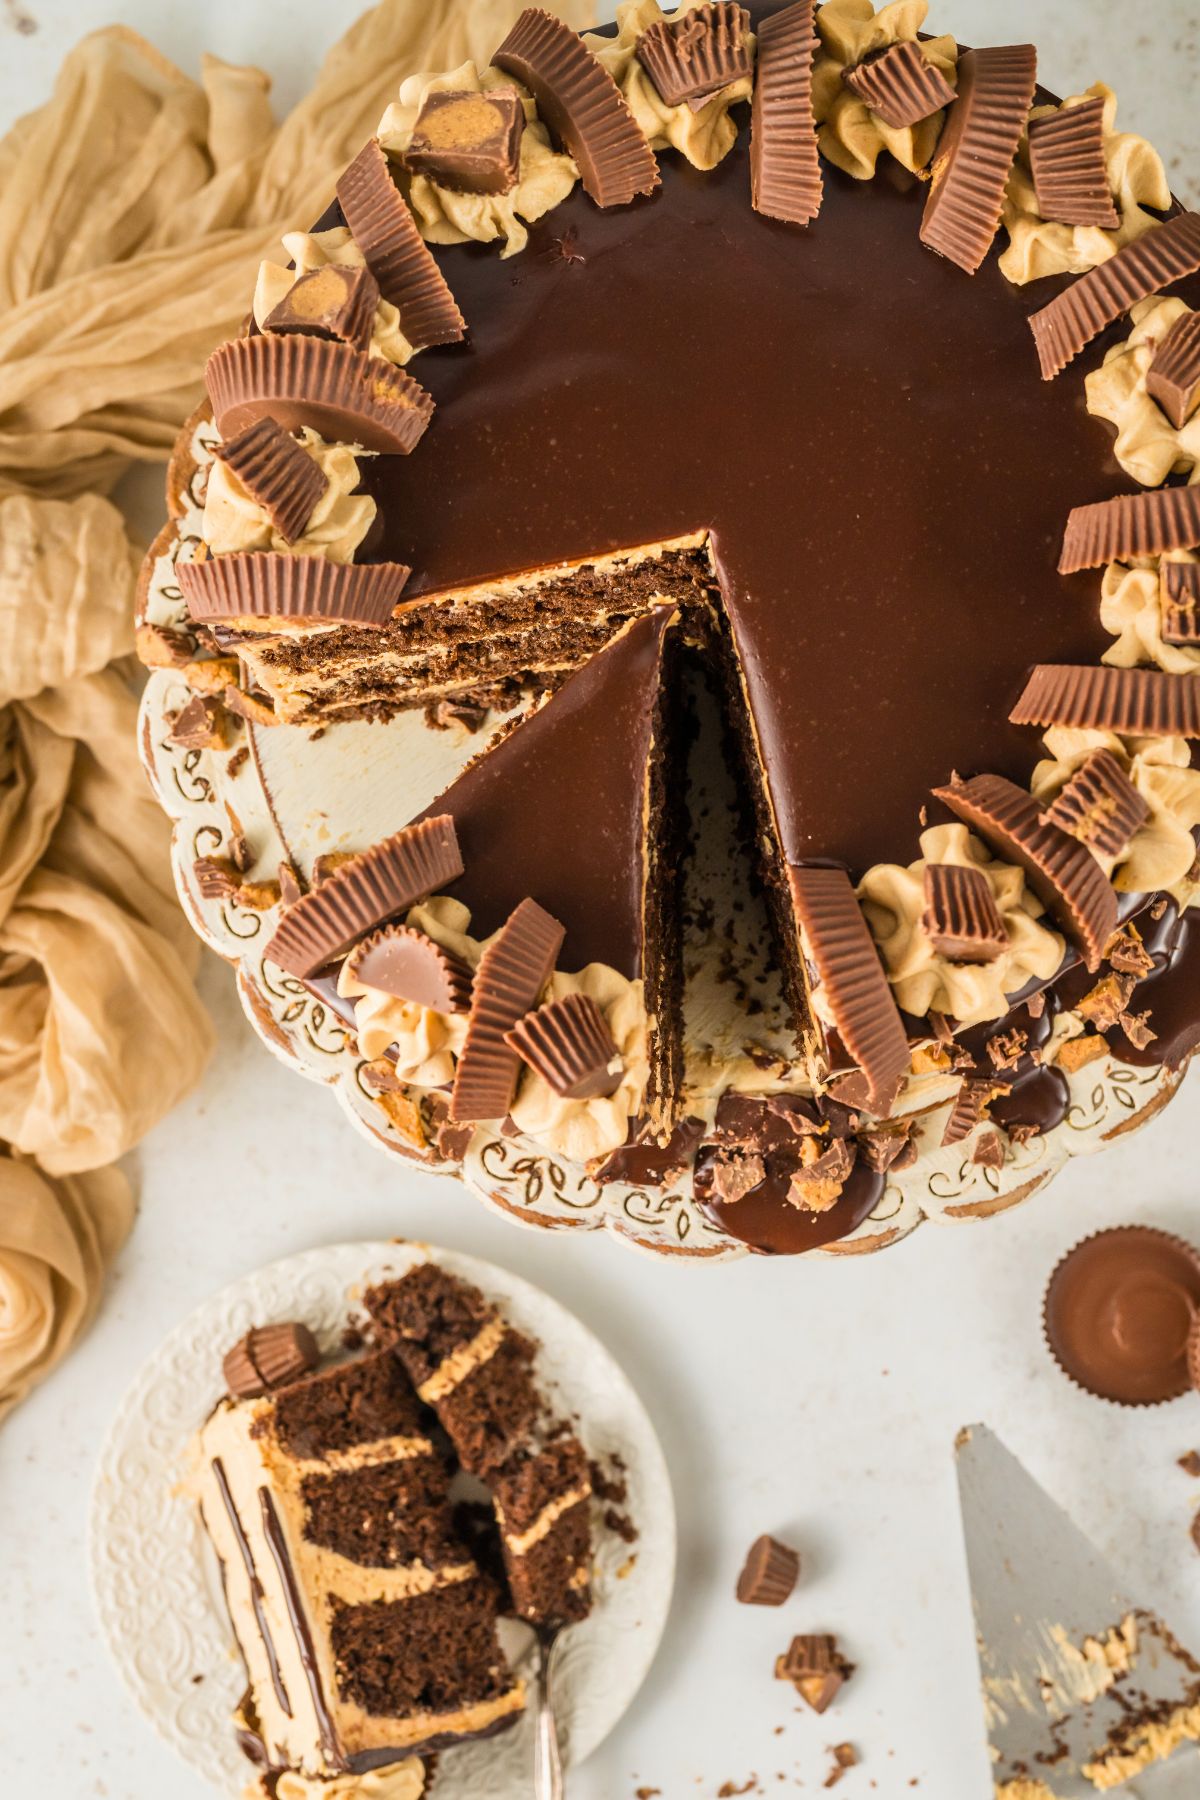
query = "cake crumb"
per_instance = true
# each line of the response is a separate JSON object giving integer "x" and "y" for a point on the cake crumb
{"x": 845, "y": 1756}
{"x": 1190, "y": 1464}
{"x": 729, "y": 1789}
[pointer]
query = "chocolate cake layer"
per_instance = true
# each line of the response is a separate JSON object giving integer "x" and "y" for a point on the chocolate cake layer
{"x": 335, "y": 1410}
{"x": 542, "y": 1500}
{"x": 381, "y": 1652}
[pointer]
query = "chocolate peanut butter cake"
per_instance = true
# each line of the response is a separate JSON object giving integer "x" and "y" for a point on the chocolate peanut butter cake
{"x": 366, "y": 1623}
{"x": 687, "y": 347}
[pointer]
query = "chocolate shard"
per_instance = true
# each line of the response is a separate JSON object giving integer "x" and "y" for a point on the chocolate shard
{"x": 568, "y": 1044}
{"x": 582, "y": 105}
{"x": 1070, "y": 175}
{"x": 855, "y": 987}
{"x": 278, "y": 474}
{"x": 962, "y": 920}
{"x": 396, "y": 253}
{"x": 1100, "y": 806}
{"x": 469, "y": 142}
{"x": 770, "y": 1573}
{"x": 1130, "y": 702}
{"x": 816, "y": 1668}
{"x": 269, "y": 1357}
{"x": 696, "y": 56}
{"x": 976, "y": 151}
{"x": 1129, "y": 527}
{"x": 971, "y": 1108}
{"x": 402, "y": 961}
{"x": 200, "y": 724}
{"x": 365, "y": 893}
{"x": 340, "y": 393}
{"x": 817, "y": 1185}
{"x": 514, "y": 969}
{"x": 268, "y": 584}
{"x": 785, "y": 169}
{"x": 1151, "y": 264}
{"x": 1065, "y": 877}
{"x": 1181, "y": 605}
{"x": 900, "y": 85}
{"x": 1173, "y": 378}
{"x": 334, "y": 302}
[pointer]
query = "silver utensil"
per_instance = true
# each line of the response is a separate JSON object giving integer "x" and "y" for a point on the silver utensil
{"x": 1071, "y": 1666}
{"x": 547, "y": 1761}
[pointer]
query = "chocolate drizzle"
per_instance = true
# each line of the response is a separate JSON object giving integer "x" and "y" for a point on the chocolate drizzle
{"x": 294, "y": 1601}
{"x": 256, "y": 1590}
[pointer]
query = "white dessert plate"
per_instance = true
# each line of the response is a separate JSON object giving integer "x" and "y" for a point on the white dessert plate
{"x": 155, "y": 1579}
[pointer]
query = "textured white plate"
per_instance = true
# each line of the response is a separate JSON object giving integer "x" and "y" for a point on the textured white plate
{"x": 154, "y": 1577}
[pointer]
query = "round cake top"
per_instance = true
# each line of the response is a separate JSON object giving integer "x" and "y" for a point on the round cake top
{"x": 1119, "y": 1312}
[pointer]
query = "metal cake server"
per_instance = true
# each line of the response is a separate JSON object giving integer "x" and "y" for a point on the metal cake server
{"x": 547, "y": 1761}
{"x": 1073, "y": 1671}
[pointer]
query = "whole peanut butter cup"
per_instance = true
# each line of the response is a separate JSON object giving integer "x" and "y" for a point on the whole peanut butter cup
{"x": 900, "y": 85}
{"x": 278, "y": 474}
{"x": 1151, "y": 264}
{"x": 1070, "y": 174}
{"x": 268, "y": 584}
{"x": 975, "y": 154}
{"x": 1119, "y": 1314}
{"x": 770, "y": 1573}
{"x": 319, "y": 383}
{"x": 694, "y": 57}
{"x": 568, "y": 1043}
{"x": 1131, "y": 702}
{"x": 1131, "y": 526}
{"x": 395, "y": 252}
{"x": 514, "y": 969}
{"x": 961, "y": 918}
{"x": 785, "y": 169}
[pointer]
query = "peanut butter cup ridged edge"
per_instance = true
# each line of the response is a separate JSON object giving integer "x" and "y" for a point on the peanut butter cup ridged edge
{"x": 853, "y": 981}
{"x": 976, "y": 152}
{"x": 395, "y": 252}
{"x": 1131, "y": 526}
{"x": 1066, "y": 877}
{"x": 266, "y": 584}
{"x": 1070, "y": 173}
{"x": 364, "y": 894}
{"x": 343, "y": 395}
{"x": 277, "y": 473}
{"x": 901, "y": 87}
{"x": 514, "y": 969}
{"x": 569, "y": 1045}
{"x": 1162, "y": 256}
{"x": 1130, "y": 702}
{"x": 1130, "y": 1234}
{"x": 434, "y": 976}
{"x": 582, "y": 105}
{"x": 718, "y": 55}
{"x": 785, "y": 168}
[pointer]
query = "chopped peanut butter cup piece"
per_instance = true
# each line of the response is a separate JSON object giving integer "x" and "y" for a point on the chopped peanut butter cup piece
{"x": 1129, "y": 527}
{"x": 855, "y": 988}
{"x": 694, "y": 57}
{"x": 1131, "y": 702}
{"x": 469, "y": 142}
{"x": 1100, "y": 806}
{"x": 200, "y": 725}
{"x": 366, "y": 892}
{"x": 900, "y": 85}
{"x": 337, "y": 391}
{"x": 1064, "y": 876}
{"x": 268, "y": 584}
{"x": 976, "y": 151}
{"x": 971, "y": 1108}
{"x": 402, "y": 961}
{"x": 269, "y": 1357}
{"x": 583, "y": 107}
{"x": 1173, "y": 379}
{"x": 278, "y": 474}
{"x": 770, "y": 1574}
{"x": 514, "y": 969}
{"x": 816, "y": 1668}
{"x": 568, "y": 1044}
{"x": 333, "y": 302}
{"x": 1155, "y": 261}
{"x": 785, "y": 169}
{"x": 1181, "y": 605}
{"x": 1070, "y": 175}
{"x": 396, "y": 253}
{"x": 962, "y": 920}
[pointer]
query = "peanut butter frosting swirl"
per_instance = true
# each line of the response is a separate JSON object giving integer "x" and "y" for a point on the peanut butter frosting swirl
{"x": 1160, "y": 856}
{"x": 851, "y": 135}
{"x": 1148, "y": 447}
{"x": 311, "y": 250}
{"x": 426, "y": 1042}
{"x": 234, "y": 521}
{"x": 705, "y": 137}
{"x": 1131, "y": 607}
{"x": 1137, "y": 177}
{"x": 444, "y": 216}
{"x": 893, "y": 900}
{"x": 583, "y": 1129}
{"x": 403, "y": 1781}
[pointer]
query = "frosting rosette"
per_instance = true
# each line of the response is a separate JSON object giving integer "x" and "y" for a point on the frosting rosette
{"x": 402, "y": 1781}
{"x": 1159, "y": 857}
{"x": 311, "y": 250}
{"x": 1148, "y": 447}
{"x": 1136, "y": 176}
{"x": 893, "y": 900}
{"x": 426, "y": 1042}
{"x": 583, "y": 1129}
{"x": 443, "y": 215}
{"x": 851, "y": 135}
{"x": 341, "y": 519}
{"x": 707, "y": 134}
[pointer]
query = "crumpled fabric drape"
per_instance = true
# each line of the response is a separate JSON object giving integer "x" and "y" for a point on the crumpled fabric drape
{"x": 135, "y": 207}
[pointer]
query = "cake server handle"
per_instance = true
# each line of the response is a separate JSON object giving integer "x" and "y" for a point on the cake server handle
{"x": 547, "y": 1763}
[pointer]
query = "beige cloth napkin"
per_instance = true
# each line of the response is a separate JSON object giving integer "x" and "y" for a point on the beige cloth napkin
{"x": 134, "y": 210}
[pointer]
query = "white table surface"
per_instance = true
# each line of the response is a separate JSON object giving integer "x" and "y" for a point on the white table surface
{"x": 818, "y": 1401}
